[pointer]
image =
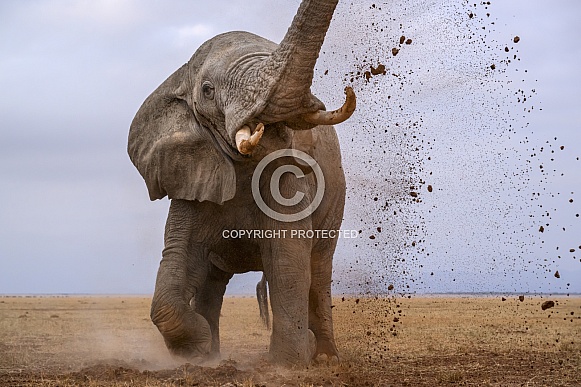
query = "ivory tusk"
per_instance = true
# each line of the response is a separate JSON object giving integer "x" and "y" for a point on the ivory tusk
{"x": 245, "y": 142}
{"x": 323, "y": 117}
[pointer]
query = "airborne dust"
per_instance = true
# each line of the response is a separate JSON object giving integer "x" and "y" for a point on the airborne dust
{"x": 443, "y": 166}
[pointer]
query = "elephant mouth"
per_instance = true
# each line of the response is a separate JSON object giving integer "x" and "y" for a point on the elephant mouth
{"x": 247, "y": 138}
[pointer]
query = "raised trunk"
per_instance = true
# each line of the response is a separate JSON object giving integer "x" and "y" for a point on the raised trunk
{"x": 293, "y": 63}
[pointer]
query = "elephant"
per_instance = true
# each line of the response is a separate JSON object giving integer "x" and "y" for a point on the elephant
{"x": 262, "y": 298}
{"x": 198, "y": 139}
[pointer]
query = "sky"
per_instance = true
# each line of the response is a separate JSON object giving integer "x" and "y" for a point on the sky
{"x": 75, "y": 215}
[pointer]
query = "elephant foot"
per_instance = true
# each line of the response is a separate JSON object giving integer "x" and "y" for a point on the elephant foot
{"x": 213, "y": 356}
{"x": 187, "y": 334}
{"x": 326, "y": 353}
{"x": 324, "y": 359}
{"x": 212, "y": 359}
{"x": 191, "y": 349}
{"x": 190, "y": 353}
{"x": 292, "y": 355}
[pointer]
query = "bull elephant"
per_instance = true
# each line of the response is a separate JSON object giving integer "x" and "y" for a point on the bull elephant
{"x": 198, "y": 139}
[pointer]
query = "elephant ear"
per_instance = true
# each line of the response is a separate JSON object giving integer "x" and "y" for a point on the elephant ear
{"x": 174, "y": 154}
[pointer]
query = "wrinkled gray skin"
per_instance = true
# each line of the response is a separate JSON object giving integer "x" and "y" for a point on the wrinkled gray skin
{"x": 262, "y": 298}
{"x": 182, "y": 141}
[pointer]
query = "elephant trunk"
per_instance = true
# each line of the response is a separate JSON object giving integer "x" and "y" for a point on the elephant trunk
{"x": 292, "y": 63}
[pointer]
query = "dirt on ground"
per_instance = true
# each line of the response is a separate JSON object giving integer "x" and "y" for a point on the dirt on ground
{"x": 431, "y": 341}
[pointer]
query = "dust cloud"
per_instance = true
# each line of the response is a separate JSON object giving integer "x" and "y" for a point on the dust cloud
{"x": 449, "y": 187}
{"x": 104, "y": 335}
{"x": 442, "y": 168}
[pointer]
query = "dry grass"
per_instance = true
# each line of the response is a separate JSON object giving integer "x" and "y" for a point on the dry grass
{"x": 109, "y": 341}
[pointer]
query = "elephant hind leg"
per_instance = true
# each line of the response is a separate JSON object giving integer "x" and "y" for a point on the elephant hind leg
{"x": 209, "y": 300}
{"x": 262, "y": 297}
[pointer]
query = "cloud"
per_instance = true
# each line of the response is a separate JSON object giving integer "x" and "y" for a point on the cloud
{"x": 112, "y": 13}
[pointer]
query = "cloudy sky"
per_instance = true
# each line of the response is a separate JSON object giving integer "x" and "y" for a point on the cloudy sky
{"x": 75, "y": 215}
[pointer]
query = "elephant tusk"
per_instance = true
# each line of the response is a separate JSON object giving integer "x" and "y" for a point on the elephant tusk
{"x": 323, "y": 117}
{"x": 245, "y": 143}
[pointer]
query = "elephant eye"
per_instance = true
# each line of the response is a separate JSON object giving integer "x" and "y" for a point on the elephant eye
{"x": 208, "y": 90}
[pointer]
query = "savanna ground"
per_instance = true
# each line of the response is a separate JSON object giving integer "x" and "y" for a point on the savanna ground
{"x": 110, "y": 341}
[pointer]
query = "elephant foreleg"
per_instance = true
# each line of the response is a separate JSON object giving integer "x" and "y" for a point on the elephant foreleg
{"x": 209, "y": 303}
{"x": 182, "y": 272}
{"x": 288, "y": 274}
{"x": 320, "y": 314}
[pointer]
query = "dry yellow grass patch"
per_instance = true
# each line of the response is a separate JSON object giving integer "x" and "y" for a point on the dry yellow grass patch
{"x": 110, "y": 341}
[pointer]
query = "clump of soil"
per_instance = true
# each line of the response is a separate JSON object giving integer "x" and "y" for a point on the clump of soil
{"x": 379, "y": 70}
{"x": 547, "y": 305}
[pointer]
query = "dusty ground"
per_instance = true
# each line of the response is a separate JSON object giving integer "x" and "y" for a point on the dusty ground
{"x": 109, "y": 341}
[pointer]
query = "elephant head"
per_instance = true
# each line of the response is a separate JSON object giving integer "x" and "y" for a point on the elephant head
{"x": 214, "y": 110}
